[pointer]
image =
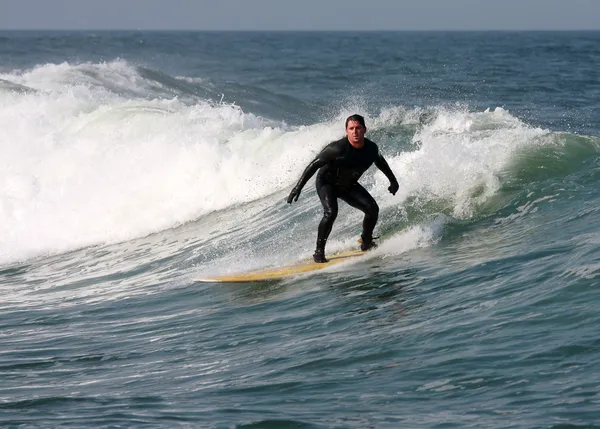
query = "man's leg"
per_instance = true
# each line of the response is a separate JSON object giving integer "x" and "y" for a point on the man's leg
{"x": 359, "y": 198}
{"x": 329, "y": 202}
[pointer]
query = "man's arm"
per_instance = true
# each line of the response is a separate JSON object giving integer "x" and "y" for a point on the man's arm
{"x": 328, "y": 154}
{"x": 382, "y": 164}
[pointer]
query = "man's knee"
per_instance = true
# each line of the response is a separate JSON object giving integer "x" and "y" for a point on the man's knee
{"x": 372, "y": 210}
{"x": 330, "y": 213}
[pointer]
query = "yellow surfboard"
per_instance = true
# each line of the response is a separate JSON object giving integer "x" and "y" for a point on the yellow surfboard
{"x": 278, "y": 273}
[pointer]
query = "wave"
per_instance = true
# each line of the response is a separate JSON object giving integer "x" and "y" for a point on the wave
{"x": 557, "y": 155}
{"x": 94, "y": 155}
{"x": 7, "y": 86}
{"x": 466, "y": 167}
{"x": 119, "y": 78}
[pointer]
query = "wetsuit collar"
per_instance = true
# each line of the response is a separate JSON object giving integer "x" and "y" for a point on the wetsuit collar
{"x": 356, "y": 147}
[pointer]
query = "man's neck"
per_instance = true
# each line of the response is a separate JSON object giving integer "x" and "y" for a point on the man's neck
{"x": 358, "y": 145}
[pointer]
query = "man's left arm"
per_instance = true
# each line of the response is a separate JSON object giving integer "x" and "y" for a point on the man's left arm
{"x": 382, "y": 164}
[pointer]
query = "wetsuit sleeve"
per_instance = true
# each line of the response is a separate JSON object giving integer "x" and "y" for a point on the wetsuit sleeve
{"x": 382, "y": 164}
{"x": 327, "y": 155}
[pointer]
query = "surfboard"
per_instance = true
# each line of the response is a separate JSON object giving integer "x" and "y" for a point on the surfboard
{"x": 278, "y": 273}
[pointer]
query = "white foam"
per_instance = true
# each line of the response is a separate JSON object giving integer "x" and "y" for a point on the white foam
{"x": 459, "y": 157}
{"x": 84, "y": 161}
{"x": 84, "y": 165}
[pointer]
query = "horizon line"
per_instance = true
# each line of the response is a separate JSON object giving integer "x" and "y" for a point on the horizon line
{"x": 499, "y": 30}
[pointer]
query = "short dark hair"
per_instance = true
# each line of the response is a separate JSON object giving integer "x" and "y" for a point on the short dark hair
{"x": 356, "y": 118}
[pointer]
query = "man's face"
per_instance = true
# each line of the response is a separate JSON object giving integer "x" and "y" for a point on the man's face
{"x": 355, "y": 132}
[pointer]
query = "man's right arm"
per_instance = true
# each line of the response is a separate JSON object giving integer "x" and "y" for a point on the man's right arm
{"x": 328, "y": 154}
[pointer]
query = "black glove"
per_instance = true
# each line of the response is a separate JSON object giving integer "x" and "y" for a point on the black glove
{"x": 293, "y": 195}
{"x": 393, "y": 188}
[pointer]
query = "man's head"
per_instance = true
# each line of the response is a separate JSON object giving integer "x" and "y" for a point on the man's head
{"x": 355, "y": 130}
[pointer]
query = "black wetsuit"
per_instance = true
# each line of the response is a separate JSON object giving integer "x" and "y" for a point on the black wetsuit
{"x": 340, "y": 166}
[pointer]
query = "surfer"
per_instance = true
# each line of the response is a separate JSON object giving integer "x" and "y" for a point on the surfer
{"x": 340, "y": 165}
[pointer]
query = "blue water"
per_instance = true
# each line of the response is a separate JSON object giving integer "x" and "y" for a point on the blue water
{"x": 134, "y": 163}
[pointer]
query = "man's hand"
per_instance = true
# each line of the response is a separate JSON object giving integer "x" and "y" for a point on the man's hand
{"x": 393, "y": 188}
{"x": 293, "y": 195}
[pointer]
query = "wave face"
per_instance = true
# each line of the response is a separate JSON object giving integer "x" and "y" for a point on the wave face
{"x": 133, "y": 163}
{"x": 93, "y": 156}
{"x": 87, "y": 162}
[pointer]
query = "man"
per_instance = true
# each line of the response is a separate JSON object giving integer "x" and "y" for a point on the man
{"x": 340, "y": 165}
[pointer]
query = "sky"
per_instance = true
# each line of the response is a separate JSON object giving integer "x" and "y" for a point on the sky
{"x": 300, "y": 15}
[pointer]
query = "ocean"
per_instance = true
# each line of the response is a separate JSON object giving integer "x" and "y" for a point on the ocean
{"x": 134, "y": 163}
